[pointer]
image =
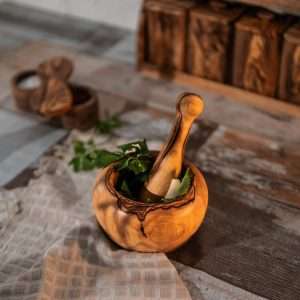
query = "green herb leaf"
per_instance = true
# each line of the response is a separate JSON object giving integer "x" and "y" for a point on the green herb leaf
{"x": 79, "y": 147}
{"x": 125, "y": 188}
{"x": 135, "y": 147}
{"x": 108, "y": 125}
{"x": 135, "y": 157}
{"x": 139, "y": 166}
{"x": 104, "y": 158}
{"x": 185, "y": 183}
{"x": 81, "y": 163}
{"x": 75, "y": 163}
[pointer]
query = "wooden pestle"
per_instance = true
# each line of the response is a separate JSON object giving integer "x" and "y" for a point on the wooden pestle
{"x": 168, "y": 163}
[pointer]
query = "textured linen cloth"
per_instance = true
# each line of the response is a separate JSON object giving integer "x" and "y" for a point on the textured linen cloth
{"x": 51, "y": 246}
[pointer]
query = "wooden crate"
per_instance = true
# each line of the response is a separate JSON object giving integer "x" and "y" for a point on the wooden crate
{"x": 265, "y": 97}
{"x": 210, "y": 35}
{"x": 163, "y": 34}
{"x": 257, "y": 52}
{"x": 289, "y": 87}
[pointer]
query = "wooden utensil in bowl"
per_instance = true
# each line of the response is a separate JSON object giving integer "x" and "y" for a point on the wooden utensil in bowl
{"x": 144, "y": 227}
{"x": 160, "y": 226}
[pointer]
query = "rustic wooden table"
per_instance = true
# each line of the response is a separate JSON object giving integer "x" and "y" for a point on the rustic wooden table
{"x": 249, "y": 245}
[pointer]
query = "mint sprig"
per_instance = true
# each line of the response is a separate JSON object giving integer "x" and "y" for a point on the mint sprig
{"x": 133, "y": 162}
{"x": 107, "y": 126}
{"x": 133, "y": 156}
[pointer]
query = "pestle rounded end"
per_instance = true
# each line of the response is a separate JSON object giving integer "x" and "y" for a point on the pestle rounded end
{"x": 191, "y": 105}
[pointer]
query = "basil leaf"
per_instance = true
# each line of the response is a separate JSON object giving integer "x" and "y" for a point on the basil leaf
{"x": 104, "y": 158}
{"x": 133, "y": 158}
{"x": 185, "y": 183}
{"x": 136, "y": 166}
{"x": 135, "y": 147}
{"x": 85, "y": 163}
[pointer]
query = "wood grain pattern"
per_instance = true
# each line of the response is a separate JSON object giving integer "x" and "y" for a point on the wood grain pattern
{"x": 224, "y": 104}
{"x": 243, "y": 244}
{"x": 209, "y": 40}
{"x": 166, "y": 34}
{"x": 168, "y": 164}
{"x": 58, "y": 98}
{"x": 210, "y": 287}
{"x": 257, "y": 52}
{"x": 263, "y": 166}
{"x": 289, "y": 88}
{"x": 84, "y": 112}
{"x": 248, "y": 239}
{"x": 264, "y": 103}
{"x": 149, "y": 227}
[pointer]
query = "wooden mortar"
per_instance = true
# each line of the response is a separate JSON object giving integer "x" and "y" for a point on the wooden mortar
{"x": 84, "y": 112}
{"x": 144, "y": 227}
{"x": 27, "y": 98}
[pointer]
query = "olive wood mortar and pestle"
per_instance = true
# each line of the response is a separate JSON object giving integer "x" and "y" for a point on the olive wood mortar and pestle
{"x": 48, "y": 92}
{"x": 76, "y": 105}
{"x": 159, "y": 226}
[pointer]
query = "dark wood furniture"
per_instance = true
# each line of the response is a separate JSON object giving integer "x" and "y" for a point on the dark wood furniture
{"x": 214, "y": 45}
{"x": 289, "y": 88}
{"x": 210, "y": 34}
{"x": 257, "y": 52}
{"x": 164, "y": 32}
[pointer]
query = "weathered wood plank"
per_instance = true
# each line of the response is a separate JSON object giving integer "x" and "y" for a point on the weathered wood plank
{"x": 103, "y": 38}
{"x": 263, "y": 103}
{"x": 248, "y": 240}
{"x": 244, "y": 246}
{"x": 122, "y": 79}
{"x": 84, "y": 35}
{"x": 124, "y": 50}
{"x": 202, "y": 286}
{"x": 6, "y": 73}
{"x": 52, "y": 23}
{"x": 30, "y": 55}
{"x": 261, "y": 166}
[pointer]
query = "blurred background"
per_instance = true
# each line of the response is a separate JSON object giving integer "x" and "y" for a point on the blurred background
{"x": 121, "y": 13}
{"x": 111, "y": 71}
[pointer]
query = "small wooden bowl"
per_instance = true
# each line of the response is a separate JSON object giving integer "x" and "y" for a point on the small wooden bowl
{"x": 27, "y": 98}
{"x": 149, "y": 227}
{"x": 84, "y": 112}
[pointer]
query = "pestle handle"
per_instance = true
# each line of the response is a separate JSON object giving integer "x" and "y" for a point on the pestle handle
{"x": 168, "y": 163}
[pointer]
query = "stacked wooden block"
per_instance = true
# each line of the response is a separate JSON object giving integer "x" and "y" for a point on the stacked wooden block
{"x": 250, "y": 48}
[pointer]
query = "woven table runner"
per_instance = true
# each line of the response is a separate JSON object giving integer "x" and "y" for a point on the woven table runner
{"x": 53, "y": 248}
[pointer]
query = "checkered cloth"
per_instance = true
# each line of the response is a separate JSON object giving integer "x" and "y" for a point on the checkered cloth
{"x": 54, "y": 249}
